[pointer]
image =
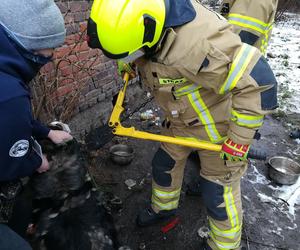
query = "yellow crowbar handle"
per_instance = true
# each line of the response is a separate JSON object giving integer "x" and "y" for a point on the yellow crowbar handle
{"x": 118, "y": 129}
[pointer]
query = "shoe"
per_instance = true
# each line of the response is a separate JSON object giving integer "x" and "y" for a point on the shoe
{"x": 148, "y": 217}
{"x": 194, "y": 188}
{"x": 295, "y": 134}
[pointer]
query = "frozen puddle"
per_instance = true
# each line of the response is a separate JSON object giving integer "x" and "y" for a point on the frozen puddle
{"x": 291, "y": 195}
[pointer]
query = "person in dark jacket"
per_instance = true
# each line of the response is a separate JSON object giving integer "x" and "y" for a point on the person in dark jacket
{"x": 29, "y": 32}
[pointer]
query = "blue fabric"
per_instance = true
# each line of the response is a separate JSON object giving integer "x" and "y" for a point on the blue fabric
{"x": 17, "y": 126}
{"x": 263, "y": 75}
{"x": 212, "y": 194}
{"x": 248, "y": 37}
{"x": 161, "y": 164}
{"x": 179, "y": 12}
{"x": 17, "y": 122}
{"x": 9, "y": 240}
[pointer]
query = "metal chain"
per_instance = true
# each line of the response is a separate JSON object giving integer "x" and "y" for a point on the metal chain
{"x": 138, "y": 108}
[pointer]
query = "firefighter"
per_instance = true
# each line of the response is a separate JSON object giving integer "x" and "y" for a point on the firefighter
{"x": 211, "y": 87}
{"x": 253, "y": 20}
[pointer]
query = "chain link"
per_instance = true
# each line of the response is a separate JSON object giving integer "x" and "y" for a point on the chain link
{"x": 138, "y": 108}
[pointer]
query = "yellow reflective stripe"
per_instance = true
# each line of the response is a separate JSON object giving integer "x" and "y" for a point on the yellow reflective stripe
{"x": 166, "y": 195}
{"x": 186, "y": 90}
{"x": 247, "y": 120}
{"x": 249, "y": 22}
{"x": 231, "y": 233}
{"x": 172, "y": 81}
{"x": 165, "y": 206}
{"x": 205, "y": 116}
{"x": 252, "y": 19}
{"x": 265, "y": 41}
{"x": 253, "y": 24}
{"x": 230, "y": 207}
{"x": 225, "y": 245}
{"x": 238, "y": 67}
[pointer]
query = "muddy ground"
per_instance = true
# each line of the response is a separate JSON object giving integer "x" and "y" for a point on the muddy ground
{"x": 268, "y": 223}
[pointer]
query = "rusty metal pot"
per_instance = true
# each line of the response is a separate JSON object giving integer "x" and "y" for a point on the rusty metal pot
{"x": 121, "y": 154}
{"x": 283, "y": 170}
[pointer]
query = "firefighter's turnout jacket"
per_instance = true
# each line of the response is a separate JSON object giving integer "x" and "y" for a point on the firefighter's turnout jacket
{"x": 252, "y": 20}
{"x": 210, "y": 86}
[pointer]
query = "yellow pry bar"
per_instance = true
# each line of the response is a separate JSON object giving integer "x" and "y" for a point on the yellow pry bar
{"x": 118, "y": 129}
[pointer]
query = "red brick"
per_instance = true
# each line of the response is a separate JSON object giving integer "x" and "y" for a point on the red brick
{"x": 69, "y": 18}
{"x": 73, "y": 58}
{"x": 61, "y": 63}
{"x": 64, "y": 90}
{"x": 75, "y": 6}
{"x": 83, "y": 55}
{"x": 85, "y": 6}
{"x": 72, "y": 39}
{"x": 72, "y": 28}
{"x": 66, "y": 71}
{"x": 63, "y": 7}
{"x": 82, "y": 47}
{"x": 48, "y": 68}
{"x": 94, "y": 52}
{"x": 62, "y": 52}
{"x": 82, "y": 75}
{"x": 65, "y": 81}
{"x": 79, "y": 17}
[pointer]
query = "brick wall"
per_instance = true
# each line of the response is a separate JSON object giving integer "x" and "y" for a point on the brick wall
{"x": 78, "y": 86}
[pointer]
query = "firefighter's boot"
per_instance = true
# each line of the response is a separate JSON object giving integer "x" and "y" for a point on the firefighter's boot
{"x": 148, "y": 216}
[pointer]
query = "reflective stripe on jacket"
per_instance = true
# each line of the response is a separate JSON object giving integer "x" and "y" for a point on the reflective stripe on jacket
{"x": 252, "y": 20}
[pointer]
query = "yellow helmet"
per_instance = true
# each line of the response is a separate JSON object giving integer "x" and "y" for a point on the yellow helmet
{"x": 121, "y": 27}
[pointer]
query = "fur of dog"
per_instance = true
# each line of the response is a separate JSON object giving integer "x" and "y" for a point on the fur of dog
{"x": 69, "y": 213}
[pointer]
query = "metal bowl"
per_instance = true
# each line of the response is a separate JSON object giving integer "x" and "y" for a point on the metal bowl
{"x": 121, "y": 154}
{"x": 284, "y": 170}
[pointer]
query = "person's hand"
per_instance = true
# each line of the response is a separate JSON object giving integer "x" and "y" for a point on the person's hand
{"x": 59, "y": 136}
{"x": 234, "y": 152}
{"x": 44, "y": 166}
{"x": 124, "y": 67}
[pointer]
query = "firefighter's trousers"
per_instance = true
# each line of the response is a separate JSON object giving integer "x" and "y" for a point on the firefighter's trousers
{"x": 220, "y": 184}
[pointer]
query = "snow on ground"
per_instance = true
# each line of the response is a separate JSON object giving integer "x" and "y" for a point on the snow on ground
{"x": 285, "y": 48}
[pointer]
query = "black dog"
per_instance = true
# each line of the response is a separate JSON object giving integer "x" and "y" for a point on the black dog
{"x": 69, "y": 214}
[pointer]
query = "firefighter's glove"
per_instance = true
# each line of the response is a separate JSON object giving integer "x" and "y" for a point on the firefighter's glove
{"x": 124, "y": 67}
{"x": 234, "y": 152}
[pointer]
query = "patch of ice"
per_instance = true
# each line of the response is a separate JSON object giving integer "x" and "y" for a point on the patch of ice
{"x": 266, "y": 199}
{"x": 285, "y": 45}
{"x": 290, "y": 194}
{"x": 246, "y": 198}
{"x": 258, "y": 177}
{"x": 293, "y": 227}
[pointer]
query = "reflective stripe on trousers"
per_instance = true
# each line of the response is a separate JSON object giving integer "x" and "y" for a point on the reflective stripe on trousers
{"x": 253, "y": 24}
{"x": 205, "y": 116}
{"x": 165, "y": 200}
{"x": 234, "y": 233}
{"x": 238, "y": 68}
{"x": 248, "y": 121}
